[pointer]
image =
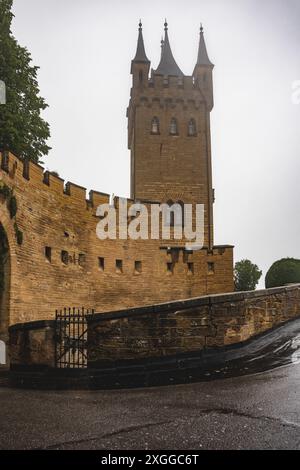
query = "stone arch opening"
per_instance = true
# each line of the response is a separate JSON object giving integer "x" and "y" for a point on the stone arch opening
{"x": 4, "y": 284}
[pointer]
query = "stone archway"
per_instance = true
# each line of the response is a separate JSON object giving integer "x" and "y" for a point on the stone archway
{"x": 4, "y": 284}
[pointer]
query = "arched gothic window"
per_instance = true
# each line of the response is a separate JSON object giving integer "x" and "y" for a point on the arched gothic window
{"x": 155, "y": 126}
{"x": 173, "y": 127}
{"x": 192, "y": 127}
{"x": 141, "y": 76}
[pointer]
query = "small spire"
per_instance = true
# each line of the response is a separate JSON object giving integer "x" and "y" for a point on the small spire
{"x": 140, "y": 55}
{"x": 203, "y": 58}
{"x": 167, "y": 65}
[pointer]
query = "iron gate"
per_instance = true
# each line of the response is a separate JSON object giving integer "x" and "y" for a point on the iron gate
{"x": 71, "y": 338}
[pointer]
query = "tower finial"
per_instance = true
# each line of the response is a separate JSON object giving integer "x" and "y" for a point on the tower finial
{"x": 203, "y": 58}
{"x": 166, "y": 25}
{"x": 140, "y": 55}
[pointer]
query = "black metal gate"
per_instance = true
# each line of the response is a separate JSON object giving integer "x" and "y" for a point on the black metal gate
{"x": 71, "y": 338}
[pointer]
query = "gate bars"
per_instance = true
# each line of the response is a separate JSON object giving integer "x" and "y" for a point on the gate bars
{"x": 71, "y": 338}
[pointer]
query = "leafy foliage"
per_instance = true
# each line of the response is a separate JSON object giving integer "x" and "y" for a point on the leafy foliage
{"x": 22, "y": 129}
{"x": 246, "y": 275}
{"x": 19, "y": 234}
{"x": 3, "y": 257}
{"x": 12, "y": 206}
{"x": 282, "y": 272}
{"x": 7, "y": 194}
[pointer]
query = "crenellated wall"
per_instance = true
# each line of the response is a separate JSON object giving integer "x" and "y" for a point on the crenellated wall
{"x": 59, "y": 216}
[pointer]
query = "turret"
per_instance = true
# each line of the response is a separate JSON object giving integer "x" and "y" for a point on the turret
{"x": 203, "y": 72}
{"x": 167, "y": 65}
{"x": 140, "y": 64}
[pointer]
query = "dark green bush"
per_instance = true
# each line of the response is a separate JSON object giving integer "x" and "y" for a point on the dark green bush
{"x": 282, "y": 272}
{"x": 246, "y": 275}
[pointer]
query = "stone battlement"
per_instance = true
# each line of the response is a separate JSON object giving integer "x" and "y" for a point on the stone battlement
{"x": 60, "y": 249}
{"x": 36, "y": 177}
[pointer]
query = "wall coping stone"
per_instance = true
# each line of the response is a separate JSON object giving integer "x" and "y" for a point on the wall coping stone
{"x": 33, "y": 325}
{"x": 208, "y": 300}
{"x": 166, "y": 307}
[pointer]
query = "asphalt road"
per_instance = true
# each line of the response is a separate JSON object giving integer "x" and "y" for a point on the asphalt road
{"x": 259, "y": 411}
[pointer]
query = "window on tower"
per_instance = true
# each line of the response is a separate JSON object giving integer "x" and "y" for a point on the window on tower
{"x": 192, "y": 131}
{"x": 173, "y": 127}
{"x": 155, "y": 126}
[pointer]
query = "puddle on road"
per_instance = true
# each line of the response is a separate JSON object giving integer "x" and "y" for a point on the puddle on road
{"x": 277, "y": 349}
{"x": 295, "y": 358}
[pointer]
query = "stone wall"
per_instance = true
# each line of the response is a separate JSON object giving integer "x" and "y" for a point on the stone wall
{"x": 32, "y": 344}
{"x": 59, "y": 219}
{"x": 174, "y": 342}
{"x": 190, "y": 326}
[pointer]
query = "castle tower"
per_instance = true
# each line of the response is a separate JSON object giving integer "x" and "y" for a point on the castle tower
{"x": 203, "y": 72}
{"x": 169, "y": 130}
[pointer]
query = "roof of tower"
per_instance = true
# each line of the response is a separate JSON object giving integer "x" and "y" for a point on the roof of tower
{"x": 140, "y": 55}
{"x": 167, "y": 65}
{"x": 203, "y": 58}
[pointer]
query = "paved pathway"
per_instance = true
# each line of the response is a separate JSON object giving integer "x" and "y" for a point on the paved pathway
{"x": 252, "y": 412}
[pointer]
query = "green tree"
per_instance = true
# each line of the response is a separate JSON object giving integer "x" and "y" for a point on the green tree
{"x": 282, "y": 272}
{"x": 246, "y": 275}
{"x": 22, "y": 129}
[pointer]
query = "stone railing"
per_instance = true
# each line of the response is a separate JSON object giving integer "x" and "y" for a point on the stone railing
{"x": 136, "y": 343}
{"x": 189, "y": 326}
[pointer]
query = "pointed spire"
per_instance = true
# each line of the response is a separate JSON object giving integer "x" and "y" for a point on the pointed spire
{"x": 140, "y": 55}
{"x": 203, "y": 58}
{"x": 167, "y": 65}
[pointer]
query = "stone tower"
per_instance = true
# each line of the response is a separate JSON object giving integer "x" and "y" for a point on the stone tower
{"x": 169, "y": 130}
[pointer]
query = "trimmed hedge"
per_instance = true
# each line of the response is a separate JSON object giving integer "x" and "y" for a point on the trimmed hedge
{"x": 282, "y": 272}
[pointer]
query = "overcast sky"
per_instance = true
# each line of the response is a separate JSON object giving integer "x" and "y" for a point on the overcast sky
{"x": 84, "y": 49}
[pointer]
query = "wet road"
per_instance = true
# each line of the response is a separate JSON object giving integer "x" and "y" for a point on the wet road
{"x": 241, "y": 410}
{"x": 251, "y": 412}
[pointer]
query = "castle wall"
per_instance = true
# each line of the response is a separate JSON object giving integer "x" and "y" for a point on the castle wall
{"x": 169, "y": 343}
{"x": 58, "y": 216}
{"x": 176, "y": 328}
